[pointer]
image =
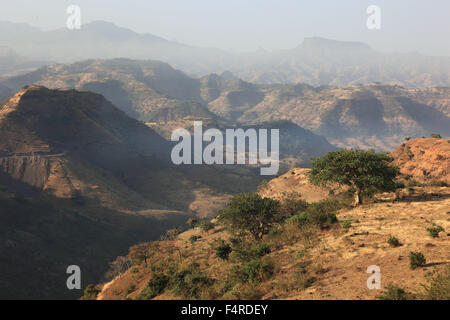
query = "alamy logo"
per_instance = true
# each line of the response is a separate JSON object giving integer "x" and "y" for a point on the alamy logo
{"x": 234, "y": 144}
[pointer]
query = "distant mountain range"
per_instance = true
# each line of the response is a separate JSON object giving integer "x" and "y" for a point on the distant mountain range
{"x": 371, "y": 115}
{"x": 317, "y": 61}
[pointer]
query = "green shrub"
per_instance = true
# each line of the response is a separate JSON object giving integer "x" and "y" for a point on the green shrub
{"x": 190, "y": 283}
{"x": 302, "y": 276}
{"x": 320, "y": 214}
{"x": 257, "y": 270}
{"x": 206, "y": 225}
{"x": 438, "y": 287}
{"x": 155, "y": 286}
{"x": 261, "y": 249}
{"x": 300, "y": 219}
{"x": 223, "y": 251}
{"x": 193, "y": 239}
{"x": 416, "y": 259}
{"x": 192, "y": 222}
{"x": 393, "y": 241}
{"x": 393, "y": 292}
{"x": 434, "y": 231}
{"x": 250, "y": 214}
{"x": 131, "y": 289}
{"x": 346, "y": 224}
{"x": 435, "y": 136}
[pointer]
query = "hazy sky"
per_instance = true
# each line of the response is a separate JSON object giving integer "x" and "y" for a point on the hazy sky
{"x": 406, "y": 25}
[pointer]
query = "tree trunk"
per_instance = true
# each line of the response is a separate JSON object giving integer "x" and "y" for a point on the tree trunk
{"x": 358, "y": 199}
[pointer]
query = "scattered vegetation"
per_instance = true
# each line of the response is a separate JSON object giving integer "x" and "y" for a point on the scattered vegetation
{"x": 223, "y": 250}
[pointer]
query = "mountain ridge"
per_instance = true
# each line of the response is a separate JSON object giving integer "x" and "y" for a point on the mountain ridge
{"x": 316, "y": 61}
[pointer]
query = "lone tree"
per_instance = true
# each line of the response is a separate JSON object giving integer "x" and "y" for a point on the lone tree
{"x": 365, "y": 172}
{"x": 249, "y": 213}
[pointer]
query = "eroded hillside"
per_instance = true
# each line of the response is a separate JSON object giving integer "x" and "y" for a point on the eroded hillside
{"x": 370, "y": 115}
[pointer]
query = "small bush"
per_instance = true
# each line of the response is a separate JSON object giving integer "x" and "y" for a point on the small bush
{"x": 434, "y": 231}
{"x": 193, "y": 239}
{"x": 261, "y": 249}
{"x": 256, "y": 270}
{"x": 416, "y": 259}
{"x": 300, "y": 254}
{"x": 435, "y": 136}
{"x": 320, "y": 214}
{"x": 292, "y": 204}
{"x": 393, "y": 292}
{"x": 393, "y": 241}
{"x": 300, "y": 219}
{"x": 302, "y": 276}
{"x": 223, "y": 251}
{"x": 90, "y": 293}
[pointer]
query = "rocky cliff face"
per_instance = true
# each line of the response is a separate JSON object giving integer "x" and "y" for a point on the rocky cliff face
{"x": 424, "y": 159}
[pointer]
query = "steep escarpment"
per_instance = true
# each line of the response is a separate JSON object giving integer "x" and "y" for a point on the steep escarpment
{"x": 424, "y": 159}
